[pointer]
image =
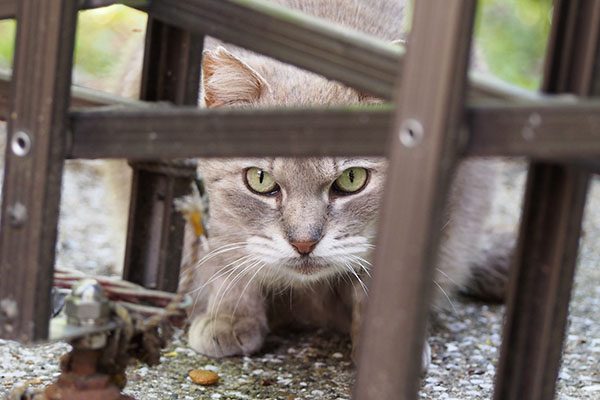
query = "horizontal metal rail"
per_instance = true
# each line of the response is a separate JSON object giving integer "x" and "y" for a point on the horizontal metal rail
{"x": 339, "y": 53}
{"x": 8, "y": 8}
{"x": 189, "y": 132}
{"x": 542, "y": 131}
{"x": 80, "y": 97}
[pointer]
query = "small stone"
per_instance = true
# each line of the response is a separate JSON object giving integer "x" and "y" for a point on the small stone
{"x": 204, "y": 377}
{"x": 267, "y": 382}
{"x": 591, "y": 388}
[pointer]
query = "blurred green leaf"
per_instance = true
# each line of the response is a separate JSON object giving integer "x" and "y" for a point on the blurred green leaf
{"x": 7, "y": 42}
{"x": 102, "y": 34}
{"x": 512, "y": 34}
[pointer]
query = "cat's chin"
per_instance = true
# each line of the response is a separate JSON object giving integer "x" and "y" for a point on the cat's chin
{"x": 309, "y": 270}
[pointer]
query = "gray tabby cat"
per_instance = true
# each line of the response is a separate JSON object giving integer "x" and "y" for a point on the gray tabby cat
{"x": 291, "y": 239}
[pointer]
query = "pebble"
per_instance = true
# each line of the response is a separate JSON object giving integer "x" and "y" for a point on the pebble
{"x": 592, "y": 388}
{"x": 204, "y": 377}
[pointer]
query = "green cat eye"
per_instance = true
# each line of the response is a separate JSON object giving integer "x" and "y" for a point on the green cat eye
{"x": 260, "y": 181}
{"x": 351, "y": 180}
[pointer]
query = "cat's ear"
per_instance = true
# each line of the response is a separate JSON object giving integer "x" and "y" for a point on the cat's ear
{"x": 227, "y": 80}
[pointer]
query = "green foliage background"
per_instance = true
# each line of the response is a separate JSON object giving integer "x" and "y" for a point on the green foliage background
{"x": 511, "y": 34}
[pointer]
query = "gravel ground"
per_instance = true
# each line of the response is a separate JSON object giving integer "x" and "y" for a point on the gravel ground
{"x": 317, "y": 365}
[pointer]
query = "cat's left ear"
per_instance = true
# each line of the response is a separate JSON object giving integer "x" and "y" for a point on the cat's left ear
{"x": 227, "y": 80}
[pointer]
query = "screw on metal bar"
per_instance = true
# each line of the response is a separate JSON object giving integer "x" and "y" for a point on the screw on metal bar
{"x": 411, "y": 133}
{"x": 87, "y": 304}
{"x": 17, "y": 215}
{"x": 20, "y": 144}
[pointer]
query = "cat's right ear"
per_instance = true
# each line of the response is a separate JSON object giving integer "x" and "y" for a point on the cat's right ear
{"x": 227, "y": 80}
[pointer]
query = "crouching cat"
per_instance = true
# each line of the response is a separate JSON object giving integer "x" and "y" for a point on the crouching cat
{"x": 291, "y": 239}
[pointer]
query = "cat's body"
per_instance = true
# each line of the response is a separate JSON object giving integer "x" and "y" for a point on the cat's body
{"x": 299, "y": 254}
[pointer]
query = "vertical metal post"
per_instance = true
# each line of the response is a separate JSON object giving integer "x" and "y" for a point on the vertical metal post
{"x": 424, "y": 144}
{"x": 542, "y": 276}
{"x": 155, "y": 233}
{"x": 34, "y": 161}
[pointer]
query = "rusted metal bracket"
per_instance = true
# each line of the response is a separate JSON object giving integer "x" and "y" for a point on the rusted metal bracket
{"x": 105, "y": 334}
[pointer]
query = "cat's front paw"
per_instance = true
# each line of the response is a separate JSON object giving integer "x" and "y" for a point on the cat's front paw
{"x": 225, "y": 335}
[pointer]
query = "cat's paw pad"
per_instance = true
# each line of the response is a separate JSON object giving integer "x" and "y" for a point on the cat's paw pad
{"x": 224, "y": 335}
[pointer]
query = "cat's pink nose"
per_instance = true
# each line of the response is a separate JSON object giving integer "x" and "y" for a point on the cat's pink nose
{"x": 304, "y": 247}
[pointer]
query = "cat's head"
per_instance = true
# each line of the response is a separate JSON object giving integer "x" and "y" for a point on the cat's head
{"x": 298, "y": 220}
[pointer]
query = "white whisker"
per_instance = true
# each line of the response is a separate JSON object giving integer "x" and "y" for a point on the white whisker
{"x": 362, "y": 284}
{"x": 247, "y": 285}
{"x": 447, "y": 298}
{"x": 447, "y": 276}
{"x": 221, "y": 272}
{"x": 359, "y": 260}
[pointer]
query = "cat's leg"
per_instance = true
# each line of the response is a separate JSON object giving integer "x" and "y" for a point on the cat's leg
{"x": 472, "y": 258}
{"x": 488, "y": 276}
{"x": 235, "y": 321}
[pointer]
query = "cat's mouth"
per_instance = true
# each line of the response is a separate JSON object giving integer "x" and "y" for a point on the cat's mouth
{"x": 307, "y": 266}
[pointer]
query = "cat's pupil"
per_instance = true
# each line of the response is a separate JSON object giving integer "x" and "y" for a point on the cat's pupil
{"x": 261, "y": 176}
{"x": 351, "y": 176}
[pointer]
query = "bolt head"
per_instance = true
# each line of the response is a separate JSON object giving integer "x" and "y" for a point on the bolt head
{"x": 87, "y": 304}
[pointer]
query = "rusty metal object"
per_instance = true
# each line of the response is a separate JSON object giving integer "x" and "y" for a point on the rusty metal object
{"x": 81, "y": 378}
{"x": 105, "y": 336}
{"x": 140, "y": 302}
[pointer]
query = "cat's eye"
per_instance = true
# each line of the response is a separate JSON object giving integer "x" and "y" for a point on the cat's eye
{"x": 261, "y": 182}
{"x": 351, "y": 180}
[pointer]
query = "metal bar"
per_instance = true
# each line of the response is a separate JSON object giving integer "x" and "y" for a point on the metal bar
{"x": 185, "y": 132}
{"x": 315, "y": 44}
{"x": 4, "y": 93}
{"x": 155, "y": 233}
{"x": 484, "y": 88}
{"x": 33, "y": 166}
{"x": 557, "y": 131}
{"x": 80, "y": 97}
{"x": 562, "y": 131}
{"x": 88, "y": 4}
{"x": 542, "y": 275}
{"x": 423, "y": 150}
{"x": 8, "y": 9}
{"x": 85, "y": 97}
